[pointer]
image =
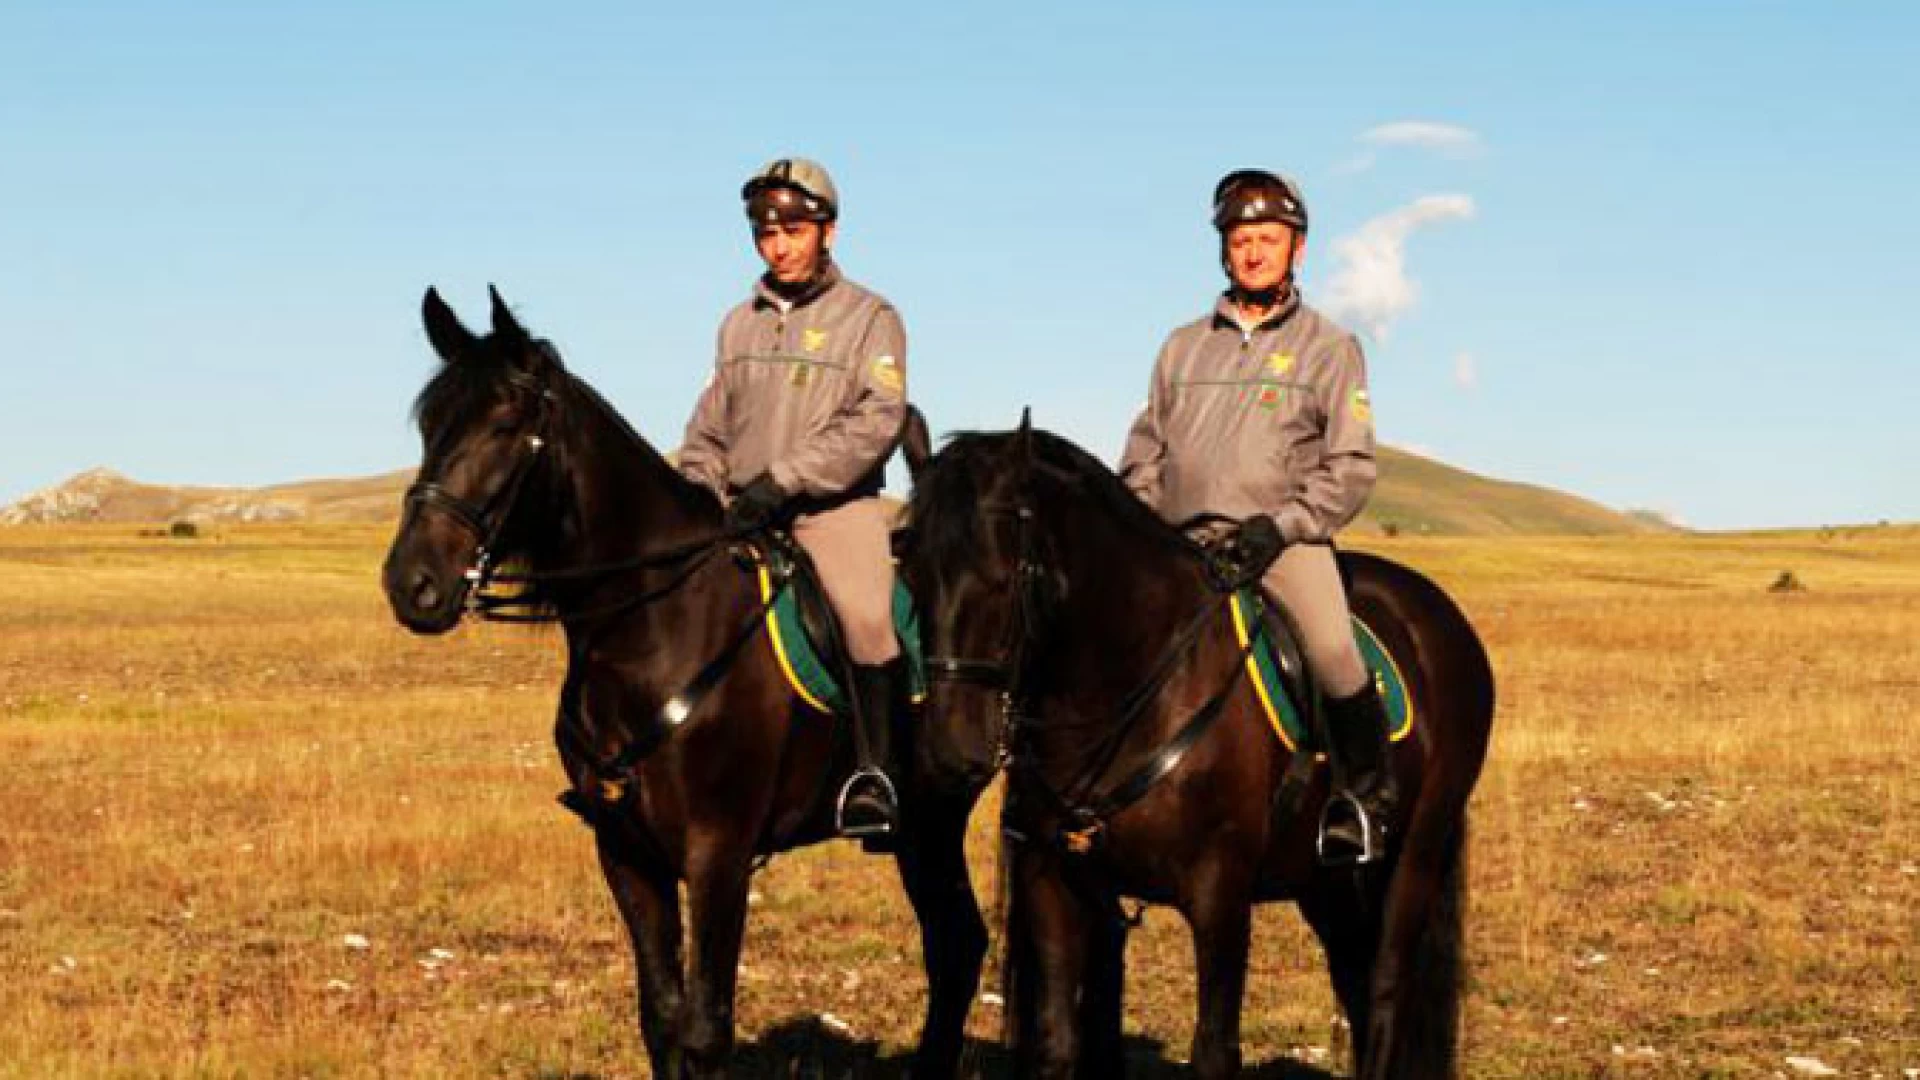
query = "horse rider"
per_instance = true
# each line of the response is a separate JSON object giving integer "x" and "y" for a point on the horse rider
{"x": 806, "y": 402}
{"x": 1260, "y": 407}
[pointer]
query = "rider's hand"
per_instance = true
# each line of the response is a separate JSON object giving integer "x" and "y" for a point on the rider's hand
{"x": 1259, "y": 542}
{"x": 756, "y": 505}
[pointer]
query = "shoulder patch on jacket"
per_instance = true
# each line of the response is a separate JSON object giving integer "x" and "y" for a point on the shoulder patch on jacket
{"x": 886, "y": 372}
{"x": 1361, "y": 407}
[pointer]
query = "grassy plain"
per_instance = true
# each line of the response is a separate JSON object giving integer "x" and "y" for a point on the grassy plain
{"x": 252, "y": 828}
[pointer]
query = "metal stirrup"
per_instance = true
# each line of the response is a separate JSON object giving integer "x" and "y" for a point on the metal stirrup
{"x": 1362, "y": 819}
{"x": 840, "y": 804}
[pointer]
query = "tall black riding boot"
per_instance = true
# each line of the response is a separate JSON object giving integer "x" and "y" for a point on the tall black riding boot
{"x": 869, "y": 809}
{"x": 1354, "y": 827}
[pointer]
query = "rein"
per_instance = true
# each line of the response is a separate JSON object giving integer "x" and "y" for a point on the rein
{"x": 487, "y": 522}
{"x": 1080, "y": 801}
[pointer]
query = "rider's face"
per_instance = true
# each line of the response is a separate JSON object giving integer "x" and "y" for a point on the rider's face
{"x": 793, "y": 249}
{"x": 1257, "y": 255}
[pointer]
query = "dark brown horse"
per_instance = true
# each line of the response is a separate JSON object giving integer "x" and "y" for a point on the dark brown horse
{"x": 1143, "y": 766}
{"x": 685, "y": 749}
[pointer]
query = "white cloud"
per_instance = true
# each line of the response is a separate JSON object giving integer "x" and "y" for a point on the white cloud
{"x": 1466, "y": 371}
{"x": 1356, "y": 164}
{"x": 1370, "y": 286}
{"x": 1450, "y": 139}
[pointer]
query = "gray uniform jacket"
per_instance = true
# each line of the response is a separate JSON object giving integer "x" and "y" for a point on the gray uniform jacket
{"x": 1270, "y": 419}
{"x": 811, "y": 390}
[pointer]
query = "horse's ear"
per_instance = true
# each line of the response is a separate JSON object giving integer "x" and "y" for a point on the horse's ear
{"x": 504, "y": 324}
{"x": 1023, "y": 437}
{"x": 916, "y": 443}
{"x": 451, "y": 339}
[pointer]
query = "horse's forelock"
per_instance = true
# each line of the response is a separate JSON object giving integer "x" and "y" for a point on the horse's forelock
{"x": 486, "y": 374}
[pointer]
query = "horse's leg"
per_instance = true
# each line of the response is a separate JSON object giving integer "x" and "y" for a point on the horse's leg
{"x": 649, "y": 903}
{"x": 953, "y": 938}
{"x": 1102, "y": 997}
{"x": 1349, "y": 932}
{"x": 1056, "y": 945}
{"x": 717, "y": 877}
{"x": 1219, "y": 910}
{"x": 1413, "y": 1010}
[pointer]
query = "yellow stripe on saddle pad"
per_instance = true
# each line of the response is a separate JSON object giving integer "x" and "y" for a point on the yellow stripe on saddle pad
{"x": 806, "y": 672}
{"x": 1263, "y": 671}
{"x": 777, "y": 636}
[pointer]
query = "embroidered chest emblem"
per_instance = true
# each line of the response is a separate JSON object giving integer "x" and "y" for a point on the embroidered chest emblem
{"x": 799, "y": 373}
{"x": 813, "y": 340}
{"x": 1272, "y": 393}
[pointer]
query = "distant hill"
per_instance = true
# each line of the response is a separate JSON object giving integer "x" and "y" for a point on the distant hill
{"x": 1419, "y": 496}
{"x": 1415, "y": 496}
{"x": 106, "y": 496}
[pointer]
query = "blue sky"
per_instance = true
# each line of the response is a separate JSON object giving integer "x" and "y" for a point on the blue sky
{"x": 1658, "y": 255}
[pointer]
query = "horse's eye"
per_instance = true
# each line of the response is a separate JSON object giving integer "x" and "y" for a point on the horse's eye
{"x": 505, "y": 429}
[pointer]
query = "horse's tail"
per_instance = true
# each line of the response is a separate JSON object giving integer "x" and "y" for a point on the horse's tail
{"x": 916, "y": 442}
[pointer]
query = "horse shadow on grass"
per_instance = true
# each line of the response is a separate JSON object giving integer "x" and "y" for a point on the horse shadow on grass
{"x": 803, "y": 1048}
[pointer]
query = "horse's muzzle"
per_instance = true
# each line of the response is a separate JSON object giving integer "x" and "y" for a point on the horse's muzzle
{"x": 421, "y": 601}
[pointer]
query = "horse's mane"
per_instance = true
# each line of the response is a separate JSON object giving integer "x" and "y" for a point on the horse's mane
{"x": 944, "y": 508}
{"x": 491, "y": 371}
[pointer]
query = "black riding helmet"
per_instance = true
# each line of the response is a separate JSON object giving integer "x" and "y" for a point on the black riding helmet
{"x": 1245, "y": 195}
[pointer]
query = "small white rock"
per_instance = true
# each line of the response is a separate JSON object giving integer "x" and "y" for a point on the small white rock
{"x": 1811, "y": 1066}
{"x": 356, "y": 941}
{"x": 338, "y": 986}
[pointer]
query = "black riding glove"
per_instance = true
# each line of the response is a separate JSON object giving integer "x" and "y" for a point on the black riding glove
{"x": 756, "y": 505}
{"x": 1260, "y": 540}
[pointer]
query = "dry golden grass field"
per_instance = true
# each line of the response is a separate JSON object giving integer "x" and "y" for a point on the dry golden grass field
{"x": 252, "y": 828}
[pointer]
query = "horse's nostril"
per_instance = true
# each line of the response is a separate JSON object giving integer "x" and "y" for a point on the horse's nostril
{"x": 426, "y": 595}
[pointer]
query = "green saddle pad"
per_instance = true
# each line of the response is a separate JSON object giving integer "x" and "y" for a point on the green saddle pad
{"x": 1263, "y": 669}
{"x": 800, "y": 660}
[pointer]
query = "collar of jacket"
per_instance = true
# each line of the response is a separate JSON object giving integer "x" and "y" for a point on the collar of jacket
{"x": 1227, "y": 313}
{"x": 765, "y": 296}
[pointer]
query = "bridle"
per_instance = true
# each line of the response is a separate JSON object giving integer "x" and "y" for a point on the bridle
{"x": 1085, "y": 804}
{"x": 485, "y": 522}
{"x": 1031, "y": 600}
